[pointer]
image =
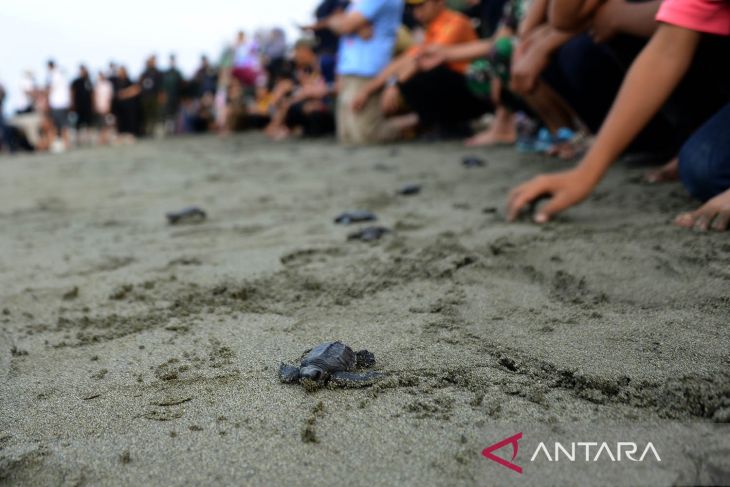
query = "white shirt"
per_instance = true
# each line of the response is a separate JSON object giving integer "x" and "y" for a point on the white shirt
{"x": 27, "y": 89}
{"x": 59, "y": 95}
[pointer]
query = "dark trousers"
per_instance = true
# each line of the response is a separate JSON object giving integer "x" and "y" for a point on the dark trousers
{"x": 442, "y": 97}
{"x": 704, "y": 161}
{"x": 589, "y": 75}
{"x": 313, "y": 124}
{"x": 150, "y": 114}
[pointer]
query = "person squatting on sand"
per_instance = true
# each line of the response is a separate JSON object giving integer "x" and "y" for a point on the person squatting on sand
{"x": 436, "y": 96}
{"x": 687, "y": 32}
{"x": 368, "y": 30}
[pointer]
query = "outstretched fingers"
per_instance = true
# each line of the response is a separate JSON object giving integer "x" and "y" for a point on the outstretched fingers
{"x": 523, "y": 195}
{"x": 557, "y": 203}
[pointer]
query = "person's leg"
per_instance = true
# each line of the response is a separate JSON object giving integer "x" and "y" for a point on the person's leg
{"x": 715, "y": 215}
{"x": 551, "y": 108}
{"x": 367, "y": 126}
{"x": 280, "y": 120}
{"x": 57, "y": 119}
{"x": 704, "y": 167}
{"x": 442, "y": 96}
{"x": 146, "y": 103}
{"x": 704, "y": 161}
{"x": 704, "y": 90}
{"x": 316, "y": 119}
{"x": 588, "y": 76}
{"x": 367, "y": 122}
{"x": 344, "y": 111}
{"x": 501, "y": 131}
{"x": 492, "y": 12}
{"x": 667, "y": 172}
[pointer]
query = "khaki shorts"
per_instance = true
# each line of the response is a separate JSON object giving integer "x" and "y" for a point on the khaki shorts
{"x": 368, "y": 126}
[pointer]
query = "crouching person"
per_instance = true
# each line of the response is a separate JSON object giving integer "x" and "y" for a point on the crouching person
{"x": 438, "y": 96}
{"x": 369, "y": 30}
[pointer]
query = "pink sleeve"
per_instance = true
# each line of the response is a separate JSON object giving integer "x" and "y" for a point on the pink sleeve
{"x": 708, "y": 16}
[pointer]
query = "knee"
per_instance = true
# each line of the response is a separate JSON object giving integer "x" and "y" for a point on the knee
{"x": 695, "y": 169}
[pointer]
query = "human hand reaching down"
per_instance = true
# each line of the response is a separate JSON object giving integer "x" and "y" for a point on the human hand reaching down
{"x": 564, "y": 189}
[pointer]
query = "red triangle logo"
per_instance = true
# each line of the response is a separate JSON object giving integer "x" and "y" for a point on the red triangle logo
{"x": 512, "y": 440}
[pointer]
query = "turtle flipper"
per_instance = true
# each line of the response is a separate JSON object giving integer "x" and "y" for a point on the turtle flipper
{"x": 288, "y": 373}
{"x": 365, "y": 359}
{"x": 353, "y": 379}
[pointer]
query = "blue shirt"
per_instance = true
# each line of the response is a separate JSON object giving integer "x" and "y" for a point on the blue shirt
{"x": 367, "y": 58}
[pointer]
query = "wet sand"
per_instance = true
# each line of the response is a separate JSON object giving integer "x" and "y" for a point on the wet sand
{"x": 134, "y": 352}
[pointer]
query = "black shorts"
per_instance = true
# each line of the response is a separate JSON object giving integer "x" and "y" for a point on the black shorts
{"x": 60, "y": 118}
{"x": 84, "y": 118}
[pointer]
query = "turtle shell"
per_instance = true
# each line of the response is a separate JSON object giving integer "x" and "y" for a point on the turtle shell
{"x": 331, "y": 357}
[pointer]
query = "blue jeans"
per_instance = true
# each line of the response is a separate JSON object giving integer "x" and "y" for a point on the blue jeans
{"x": 704, "y": 161}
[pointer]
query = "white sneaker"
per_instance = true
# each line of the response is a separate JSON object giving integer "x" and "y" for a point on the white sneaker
{"x": 57, "y": 147}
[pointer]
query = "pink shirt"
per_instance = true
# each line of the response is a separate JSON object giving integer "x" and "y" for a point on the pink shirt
{"x": 708, "y": 16}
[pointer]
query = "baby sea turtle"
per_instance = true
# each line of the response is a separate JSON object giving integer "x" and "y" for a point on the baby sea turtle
{"x": 192, "y": 214}
{"x": 409, "y": 189}
{"x": 473, "y": 161}
{"x": 368, "y": 234}
{"x": 332, "y": 363}
{"x": 355, "y": 217}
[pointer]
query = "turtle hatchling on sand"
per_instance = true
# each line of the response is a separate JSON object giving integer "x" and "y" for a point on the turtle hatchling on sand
{"x": 409, "y": 189}
{"x": 331, "y": 363}
{"x": 473, "y": 161}
{"x": 356, "y": 216}
{"x": 368, "y": 234}
{"x": 192, "y": 214}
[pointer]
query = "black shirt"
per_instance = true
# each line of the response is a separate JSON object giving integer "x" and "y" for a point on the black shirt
{"x": 151, "y": 82}
{"x": 82, "y": 90}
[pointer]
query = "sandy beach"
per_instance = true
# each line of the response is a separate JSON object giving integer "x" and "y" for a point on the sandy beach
{"x": 133, "y": 352}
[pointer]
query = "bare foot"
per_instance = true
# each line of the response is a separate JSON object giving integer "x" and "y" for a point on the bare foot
{"x": 572, "y": 149}
{"x": 668, "y": 172}
{"x": 273, "y": 128}
{"x": 403, "y": 122}
{"x": 715, "y": 215}
{"x": 281, "y": 134}
{"x": 492, "y": 137}
{"x": 563, "y": 150}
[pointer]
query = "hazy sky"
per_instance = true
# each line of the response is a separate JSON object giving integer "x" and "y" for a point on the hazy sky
{"x": 95, "y": 32}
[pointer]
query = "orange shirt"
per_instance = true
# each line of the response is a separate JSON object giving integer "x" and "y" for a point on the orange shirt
{"x": 449, "y": 28}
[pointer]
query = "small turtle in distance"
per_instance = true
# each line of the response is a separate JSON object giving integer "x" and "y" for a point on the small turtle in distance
{"x": 473, "y": 161}
{"x": 331, "y": 363}
{"x": 191, "y": 214}
{"x": 368, "y": 234}
{"x": 409, "y": 189}
{"x": 356, "y": 216}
